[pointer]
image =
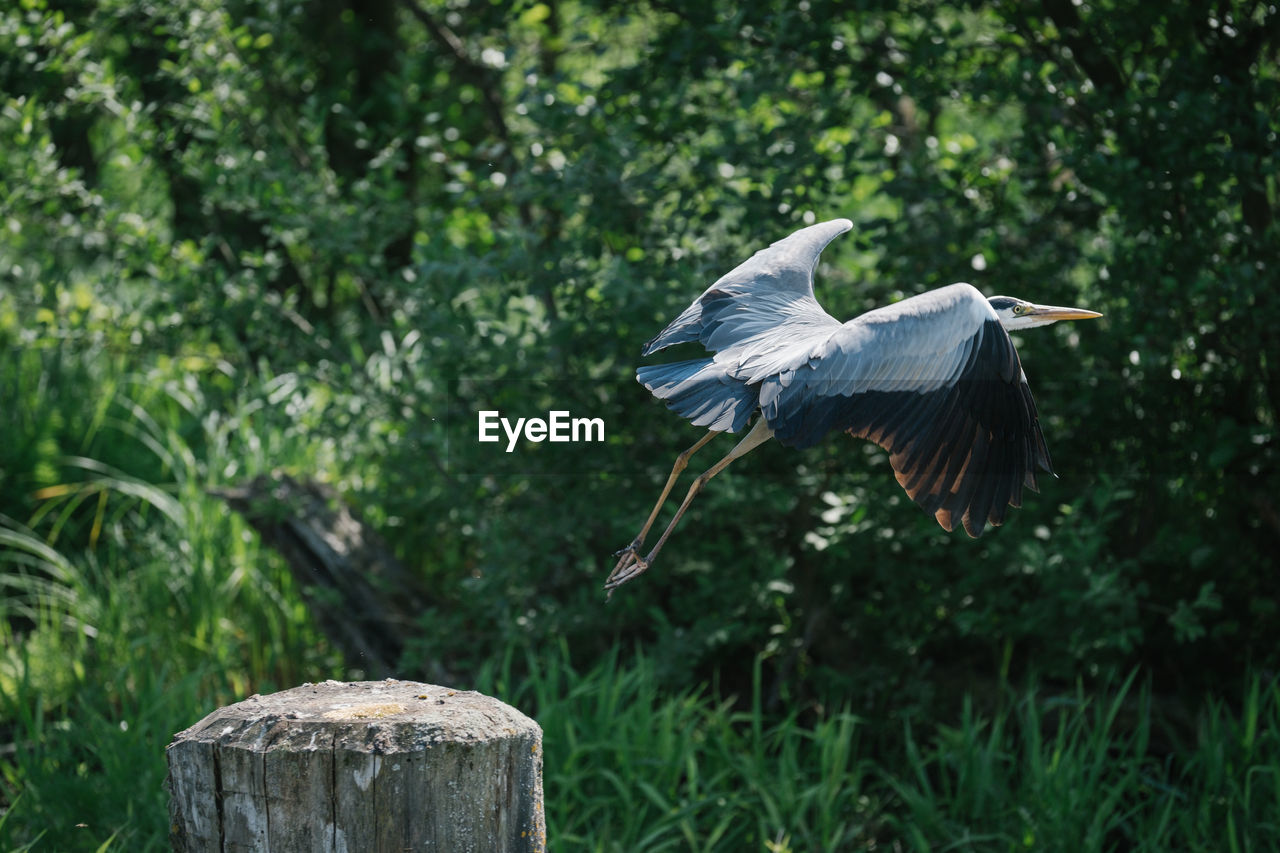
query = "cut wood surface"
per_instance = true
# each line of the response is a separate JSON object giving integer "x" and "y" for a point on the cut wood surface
{"x": 373, "y": 765}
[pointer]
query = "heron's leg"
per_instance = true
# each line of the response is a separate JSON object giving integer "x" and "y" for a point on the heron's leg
{"x": 681, "y": 462}
{"x": 631, "y": 568}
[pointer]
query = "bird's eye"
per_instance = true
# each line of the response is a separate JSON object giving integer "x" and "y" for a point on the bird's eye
{"x": 1019, "y": 309}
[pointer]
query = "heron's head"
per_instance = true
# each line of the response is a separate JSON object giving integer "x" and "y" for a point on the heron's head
{"x": 1018, "y": 314}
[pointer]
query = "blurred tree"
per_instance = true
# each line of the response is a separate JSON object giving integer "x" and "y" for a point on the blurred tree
{"x": 414, "y": 211}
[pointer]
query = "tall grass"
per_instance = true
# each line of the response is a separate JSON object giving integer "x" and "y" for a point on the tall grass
{"x": 131, "y": 602}
{"x": 629, "y": 769}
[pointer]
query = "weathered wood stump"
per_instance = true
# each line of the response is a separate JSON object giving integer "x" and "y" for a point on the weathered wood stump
{"x": 372, "y": 765}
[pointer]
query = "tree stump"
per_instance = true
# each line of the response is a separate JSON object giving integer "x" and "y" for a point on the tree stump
{"x": 373, "y": 765}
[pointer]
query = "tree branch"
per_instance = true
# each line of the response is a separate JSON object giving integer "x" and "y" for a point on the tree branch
{"x": 473, "y": 72}
{"x": 1096, "y": 64}
{"x": 488, "y": 83}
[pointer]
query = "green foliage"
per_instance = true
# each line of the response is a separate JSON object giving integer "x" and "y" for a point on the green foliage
{"x": 628, "y": 768}
{"x": 1078, "y": 773}
{"x": 117, "y": 613}
{"x": 236, "y": 237}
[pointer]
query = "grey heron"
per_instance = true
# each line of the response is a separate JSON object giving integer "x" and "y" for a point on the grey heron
{"x": 933, "y": 379}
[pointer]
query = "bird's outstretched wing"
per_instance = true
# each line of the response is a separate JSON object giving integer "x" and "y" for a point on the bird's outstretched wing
{"x": 767, "y": 298}
{"x": 934, "y": 380}
{"x": 773, "y": 287}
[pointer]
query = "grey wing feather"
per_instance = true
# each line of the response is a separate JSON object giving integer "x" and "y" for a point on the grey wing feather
{"x": 755, "y": 296}
{"x": 934, "y": 380}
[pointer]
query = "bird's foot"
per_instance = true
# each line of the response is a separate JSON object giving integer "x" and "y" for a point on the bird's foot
{"x": 630, "y": 566}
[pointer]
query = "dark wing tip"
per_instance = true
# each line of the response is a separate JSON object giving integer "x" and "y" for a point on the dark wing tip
{"x": 966, "y": 452}
{"x": 945, "y": 517}
{"x": 974, "y": 529}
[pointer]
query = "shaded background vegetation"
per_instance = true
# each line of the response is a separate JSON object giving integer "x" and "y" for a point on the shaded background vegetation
{"x": 318, "y": 237}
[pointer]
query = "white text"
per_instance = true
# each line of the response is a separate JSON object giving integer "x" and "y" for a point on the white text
{"x": 558, "y": 426}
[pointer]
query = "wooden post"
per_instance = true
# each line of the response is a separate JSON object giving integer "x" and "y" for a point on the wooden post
{"x": 372, "y": 765}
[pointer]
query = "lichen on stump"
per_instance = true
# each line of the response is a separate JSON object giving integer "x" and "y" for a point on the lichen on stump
{"x": 381, "y": 765}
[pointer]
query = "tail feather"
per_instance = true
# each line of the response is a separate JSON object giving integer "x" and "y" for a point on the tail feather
{"x": 700, "y": 391}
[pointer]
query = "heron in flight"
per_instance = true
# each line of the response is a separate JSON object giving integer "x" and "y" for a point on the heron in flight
{"x": 933, "y": 379}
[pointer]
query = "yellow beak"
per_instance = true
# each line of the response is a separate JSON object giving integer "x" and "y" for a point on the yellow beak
{"x": 1052, "y": 313}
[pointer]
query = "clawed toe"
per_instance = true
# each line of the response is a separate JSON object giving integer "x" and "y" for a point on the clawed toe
{"x": 631, "y": 565}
